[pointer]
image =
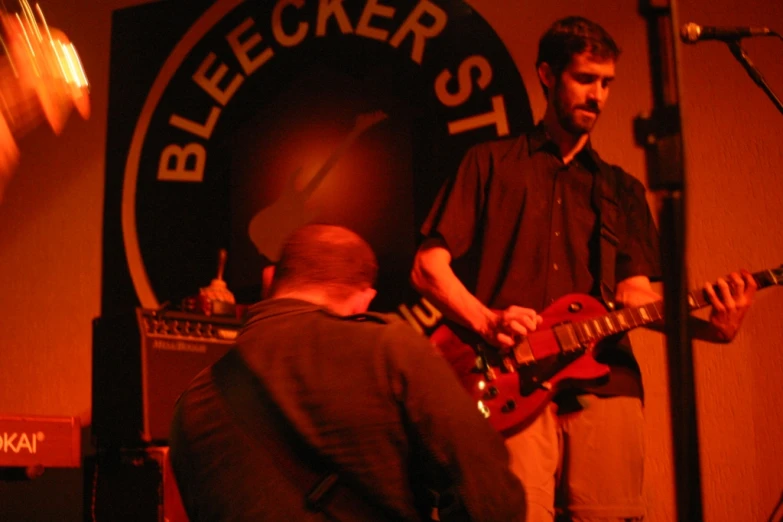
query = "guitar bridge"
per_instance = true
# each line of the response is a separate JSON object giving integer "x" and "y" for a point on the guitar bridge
{"x": 523, "y": 354}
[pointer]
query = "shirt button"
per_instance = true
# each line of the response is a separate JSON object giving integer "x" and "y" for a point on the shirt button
{"x": 557, "y": 234}
{"x": 559, "y": 201}
{"x": 555, "y": 266}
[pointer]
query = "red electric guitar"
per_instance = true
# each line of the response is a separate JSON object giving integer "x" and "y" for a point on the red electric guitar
{"x": 512, "y": 389}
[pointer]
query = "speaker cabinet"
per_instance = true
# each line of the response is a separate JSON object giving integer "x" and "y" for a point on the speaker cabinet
{"x": 142, "y": 362}
{"x": 131, "y": 486}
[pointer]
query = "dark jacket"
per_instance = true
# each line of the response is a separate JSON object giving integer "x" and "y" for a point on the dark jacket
{"x": 360, "y": 396}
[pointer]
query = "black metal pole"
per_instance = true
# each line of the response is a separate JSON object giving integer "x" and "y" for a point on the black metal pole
{"x": 742, "y": 57}
{"x": 661, "y": 137}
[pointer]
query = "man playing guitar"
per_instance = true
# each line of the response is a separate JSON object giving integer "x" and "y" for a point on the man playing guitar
{"x": 540, "y": 216}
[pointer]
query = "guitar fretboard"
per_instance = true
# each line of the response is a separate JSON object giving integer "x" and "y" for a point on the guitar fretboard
{"x": 595, "y": 329}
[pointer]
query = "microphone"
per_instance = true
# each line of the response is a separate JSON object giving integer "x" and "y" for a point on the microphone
{"x": 691, "y": 33}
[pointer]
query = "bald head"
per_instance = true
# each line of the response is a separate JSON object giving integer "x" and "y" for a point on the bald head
{"x": 325, "y": 259}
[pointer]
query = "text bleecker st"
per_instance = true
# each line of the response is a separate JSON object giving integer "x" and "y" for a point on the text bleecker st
{"x": 186, "y": 162}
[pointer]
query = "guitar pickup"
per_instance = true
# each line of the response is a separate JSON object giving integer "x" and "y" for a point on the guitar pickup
{"x": 566, "y": 337}
{"x": 523, "y": 354}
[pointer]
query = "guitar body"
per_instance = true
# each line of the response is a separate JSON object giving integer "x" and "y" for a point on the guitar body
{"x": 512, "y": 388}
{"x": 511, "y": 394}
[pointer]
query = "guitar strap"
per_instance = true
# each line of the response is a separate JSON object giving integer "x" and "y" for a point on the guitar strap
{"x": 322, "y": 488}
{"x": 605, "y": 201}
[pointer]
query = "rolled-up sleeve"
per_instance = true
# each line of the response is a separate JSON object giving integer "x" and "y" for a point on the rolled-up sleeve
{"x": 457, "y": 209}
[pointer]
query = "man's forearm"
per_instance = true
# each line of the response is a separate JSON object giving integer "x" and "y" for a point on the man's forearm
{"x": 433, "y": 277}
{"x": 454, "y": 301}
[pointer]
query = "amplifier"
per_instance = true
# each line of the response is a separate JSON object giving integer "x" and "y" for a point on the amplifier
{"x": 142, "y": 362}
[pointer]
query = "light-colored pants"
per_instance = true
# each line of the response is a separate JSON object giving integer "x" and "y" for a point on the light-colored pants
{"x": 587, "y": 465}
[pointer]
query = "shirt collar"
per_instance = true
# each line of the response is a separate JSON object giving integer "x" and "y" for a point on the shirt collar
{"x": 540, "y": 141}
{"x": 281, "y": 306}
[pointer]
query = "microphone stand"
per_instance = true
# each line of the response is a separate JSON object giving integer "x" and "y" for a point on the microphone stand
{"x": 660, "y": 136}
{"x": 753, "y": 72}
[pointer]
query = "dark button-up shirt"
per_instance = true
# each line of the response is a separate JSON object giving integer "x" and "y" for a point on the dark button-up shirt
{"x": 527, "y": 226}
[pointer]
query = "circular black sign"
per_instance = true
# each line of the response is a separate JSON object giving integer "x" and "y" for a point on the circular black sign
{"x": 270, "y": 115}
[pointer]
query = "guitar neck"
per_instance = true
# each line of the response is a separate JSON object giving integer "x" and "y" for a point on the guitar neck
{"x": 699, "y": 299}
{"x": 595, "y": 329}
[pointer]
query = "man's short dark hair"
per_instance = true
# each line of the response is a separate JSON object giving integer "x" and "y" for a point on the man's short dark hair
{"x": 570, "y": 36}
{"x": 325, "y": 257}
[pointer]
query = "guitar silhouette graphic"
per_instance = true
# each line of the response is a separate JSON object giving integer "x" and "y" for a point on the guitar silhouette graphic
{"x": 270, "y": 227}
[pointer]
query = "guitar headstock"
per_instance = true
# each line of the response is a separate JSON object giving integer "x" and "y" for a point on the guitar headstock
{"x": 776, "y": 275}
{"x": 368, "y": 119}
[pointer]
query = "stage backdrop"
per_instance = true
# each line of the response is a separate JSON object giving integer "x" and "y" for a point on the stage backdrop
{"x": 237, "y": 122}
{"x": 51, "y": 228}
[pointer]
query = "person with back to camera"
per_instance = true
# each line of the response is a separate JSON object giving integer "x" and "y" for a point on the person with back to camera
{"x": 323, "y": 411}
